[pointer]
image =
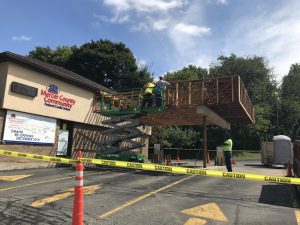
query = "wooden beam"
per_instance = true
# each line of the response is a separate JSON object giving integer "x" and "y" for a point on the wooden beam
{"x": 204, "y": 142}
{"x": 190, "y": 93}
{"x": 213, "y": 117}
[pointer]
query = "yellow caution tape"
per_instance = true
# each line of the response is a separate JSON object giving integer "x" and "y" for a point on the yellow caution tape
{"x": 161, "y": 168}
{"x": 191, "y": 171}
{"x": 38, "y": 157}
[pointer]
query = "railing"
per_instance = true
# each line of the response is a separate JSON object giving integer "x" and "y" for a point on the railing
{"x": 125, "y": 102}
{"x": 245, "y": 99}
{"x": 212, "y": 91}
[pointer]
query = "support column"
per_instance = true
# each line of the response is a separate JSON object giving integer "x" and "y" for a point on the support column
{"x": 204, "y": 142}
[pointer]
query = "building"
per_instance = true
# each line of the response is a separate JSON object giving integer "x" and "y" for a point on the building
{"x": 46, "y": 109}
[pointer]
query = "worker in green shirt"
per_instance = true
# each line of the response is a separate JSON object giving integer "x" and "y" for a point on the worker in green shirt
{"x": 227, "y": 147}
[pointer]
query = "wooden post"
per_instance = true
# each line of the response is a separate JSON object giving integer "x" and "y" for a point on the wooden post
{"x": 232, "y": 90}
{"x": 217, "y": 86}
{"x": 202, "y": 92}
{"x": 204, "y": 142}
{"x": 177, "y": 94}
{"x": 190, "y": 93}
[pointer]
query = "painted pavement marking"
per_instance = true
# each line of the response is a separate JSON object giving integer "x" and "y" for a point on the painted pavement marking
{"x": 87, "y": 190}
{"x": 47, "y": 181}
{"x": 297, "y": 214}
{"x": 195, "y": 221}
{"x": 209, "y": 211}
{"x": 14, "y": 177}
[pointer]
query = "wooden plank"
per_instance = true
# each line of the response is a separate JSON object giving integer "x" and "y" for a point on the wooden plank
{"x": 190, "y": 93}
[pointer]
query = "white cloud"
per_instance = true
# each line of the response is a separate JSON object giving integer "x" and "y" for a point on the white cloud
{"x": 222, "y": 2}
{"x": 116, "y": 19}
{"x": 141, "y": 63}
{"x": 274, "y": 35}
{"x": 144, "y": 5}
{"x": 190, "y": 30}
{"x": 177, "y": 23}
{"x": 186, "y": 36}
{"x": 160, "y": 24}
{"x": 21, "y": 38}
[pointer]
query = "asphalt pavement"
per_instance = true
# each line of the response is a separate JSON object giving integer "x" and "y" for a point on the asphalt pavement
{"x": 133, "y": 197}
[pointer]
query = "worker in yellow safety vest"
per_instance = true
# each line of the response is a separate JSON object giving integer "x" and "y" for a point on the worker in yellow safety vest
{"x": 227, "y": 147}
{"x": 148, "y": 94}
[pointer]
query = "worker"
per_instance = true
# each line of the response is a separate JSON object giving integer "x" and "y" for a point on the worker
{"x": 227, "y": 147}
{"x": 148, "y": 94}
{"x": 159, "y": 90}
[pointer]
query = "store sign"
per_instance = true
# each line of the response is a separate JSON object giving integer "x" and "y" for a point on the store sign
{"x": 27, "y": 128}
{"x": 24, "y": 89}
{"x": 53, "y": 98}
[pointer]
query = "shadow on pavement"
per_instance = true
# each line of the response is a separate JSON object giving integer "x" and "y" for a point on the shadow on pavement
{"x": 279, "y": 195}
{"x": 257, "y": 165}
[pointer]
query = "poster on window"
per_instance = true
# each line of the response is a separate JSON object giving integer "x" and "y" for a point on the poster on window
{"x": 62, "y": 143}
{"x": 27, "y": 128}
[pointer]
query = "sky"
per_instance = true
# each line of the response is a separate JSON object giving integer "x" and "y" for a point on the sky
{"x": 165, "y": 35}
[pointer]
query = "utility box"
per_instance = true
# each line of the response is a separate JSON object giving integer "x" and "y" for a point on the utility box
{"x": 283, "y": 149}
{"x": 267, "y": 153}
{"x": 220, "y": 160}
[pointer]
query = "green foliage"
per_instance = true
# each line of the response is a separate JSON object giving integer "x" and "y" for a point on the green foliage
{"x": 187, "y": 73}
{"x": 175, "y": 136}
{"x": 290, "y": 102}
{"x": 182, "y": 136}
{"x": 254, "y": 73}
{"x": 57, "y": 57}
{"x": 160, "y": 136}
{"x": 261, "y": 87}
{"x": 110, "y": 64}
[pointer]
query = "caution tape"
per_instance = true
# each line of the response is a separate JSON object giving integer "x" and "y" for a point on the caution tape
{"x": 38, "y": 157}
{"x": 161, "y": 168}
{"x": 197, "y": 172}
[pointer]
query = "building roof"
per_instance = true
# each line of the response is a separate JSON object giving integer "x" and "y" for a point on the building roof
{"x": 54, "y": 71}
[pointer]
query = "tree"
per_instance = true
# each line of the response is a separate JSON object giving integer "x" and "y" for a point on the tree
{"x": 290, "y": 102}
{"x": 110, "y": 64}
{"x": 254, "y": 72}
{"x": 57, "y": 57}
{"x": 187, "y": 73}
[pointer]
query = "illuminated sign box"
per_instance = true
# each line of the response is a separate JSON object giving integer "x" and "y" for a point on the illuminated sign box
{"x": 28, "y": 128}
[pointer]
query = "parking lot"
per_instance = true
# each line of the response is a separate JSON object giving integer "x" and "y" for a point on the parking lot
{"x": 119, "y": 196}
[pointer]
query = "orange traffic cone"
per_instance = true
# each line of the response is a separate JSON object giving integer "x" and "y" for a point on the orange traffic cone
{"x": 233, "y": 161}
{"x": 78, "y": 193}
{"x": 289, "y": 172}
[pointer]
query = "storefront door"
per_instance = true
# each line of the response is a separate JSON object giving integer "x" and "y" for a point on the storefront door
{"x": 64, "y": 143}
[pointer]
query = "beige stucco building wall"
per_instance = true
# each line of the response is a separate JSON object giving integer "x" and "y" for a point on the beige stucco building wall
{"x": 81, "y": 111}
